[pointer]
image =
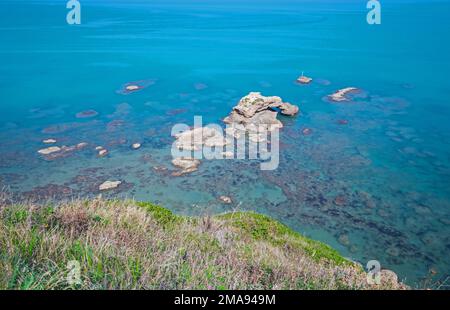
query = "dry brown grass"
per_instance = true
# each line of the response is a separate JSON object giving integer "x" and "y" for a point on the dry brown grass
{"x": 129, "y": 245}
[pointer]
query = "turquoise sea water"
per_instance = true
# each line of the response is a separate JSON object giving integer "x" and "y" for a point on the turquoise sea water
{"x": 390, "y": 165}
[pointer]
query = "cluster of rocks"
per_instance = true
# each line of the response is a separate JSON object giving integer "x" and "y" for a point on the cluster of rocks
{"x": 251, "y": 115}
{"x": 194, "y": 140}
{"x": 255, "y": 111}
{"x": 55, "y": 152}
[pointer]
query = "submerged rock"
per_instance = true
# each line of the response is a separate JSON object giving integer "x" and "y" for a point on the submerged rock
{"x": 200, "y": 86}
{"x": 55, "y": 152}
{"x": 393, "y": 251}
{"x": 344, "y": 240}
{"x": 107, "y": 185}
{"x": 341, "y": 94}
{"x": 340, "y": 201}
{"x": 48, "y": 192}
{"x": 306, "y": 131}
{"x": 86, "y": 114}
{"x": 174, "y": 112}
{"x": 135, "y": 86}
{"x": 60, "y": 128}
{"x": 225, "y": 199}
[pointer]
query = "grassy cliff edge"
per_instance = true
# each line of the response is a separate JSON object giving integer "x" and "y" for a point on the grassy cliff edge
{"x": 134, "y": 245}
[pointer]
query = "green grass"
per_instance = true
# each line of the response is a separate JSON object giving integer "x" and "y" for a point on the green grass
{"x": 136, "y": 245}
{"x": 262, "y": 227}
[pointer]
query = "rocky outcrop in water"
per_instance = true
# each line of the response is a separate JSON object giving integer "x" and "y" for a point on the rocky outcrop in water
{"x": 49, "y": 141}
{"x": 252, "y": 114}
{"x": 186, "y": 164}
{"x": 341, "y": 94}
{"x": 107, "y": 185}
{"x": 49, "y": 150}
{"x": 304, "y": 80}
{"x": 255, "y": 110}
{"x": 195, "y": 139}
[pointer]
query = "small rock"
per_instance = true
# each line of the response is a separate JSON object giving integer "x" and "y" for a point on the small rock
{"x": 393, "y": 251}
{"x": 187, "y": 165}
{"x": 445, "y": 221}
{"x": 433, "y": 271}
{"x": 304, "y": 80}
{"x": 98, "y": 148}
{"x": 86, "y": 114}
{"x": 306, "y": 131}
{"x": 343, "y": 239}
{"x": 49, "y": 150}
{"x": 226, "y": 199}
{"x": 289, "y": 109}
{"x": 421, "y": 210}
{"x": 103, "y": 153}
{"x": 340, "y": 201}
{"x": 341, "y": 94}
{"x": 132, "y": 87}
{"x": 49, "y": 141}
{"x": 135, "y": 146}
{"x": 159, "y": 168}
{"x": 109, "y": 185}
{"x": 200, "y": 86}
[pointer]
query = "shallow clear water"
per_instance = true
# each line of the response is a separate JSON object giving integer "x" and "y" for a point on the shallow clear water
{"x": 390, "y": 163}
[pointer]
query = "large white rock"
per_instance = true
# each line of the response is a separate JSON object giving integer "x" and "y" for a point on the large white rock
{"x": 49, "y": 150}
{"x": 109, "y": 185}
{"x": 49, "y": 141}
{"x": 186, "y": 164}
{"x": 257, "y": 111}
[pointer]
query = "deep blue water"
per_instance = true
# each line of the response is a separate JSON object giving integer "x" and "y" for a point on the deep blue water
{"x": 390, "y": 163}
